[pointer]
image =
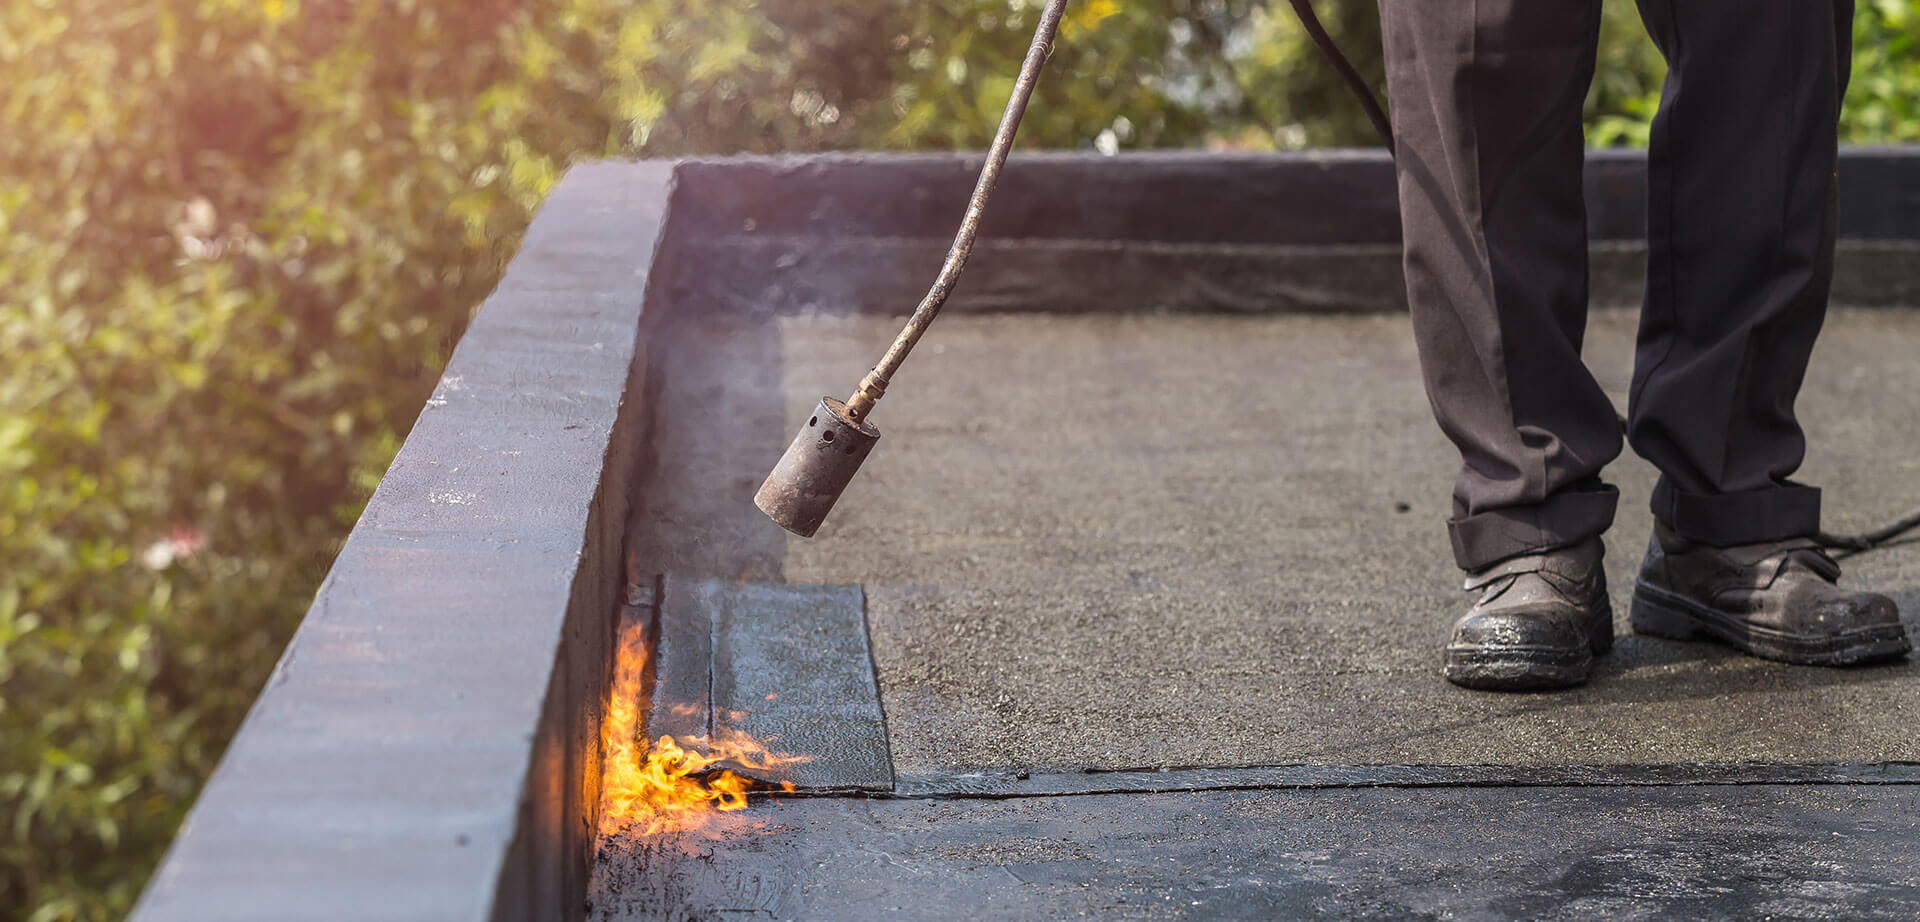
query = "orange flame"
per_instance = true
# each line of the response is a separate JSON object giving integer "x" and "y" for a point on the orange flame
{"x": 670, "y": 785}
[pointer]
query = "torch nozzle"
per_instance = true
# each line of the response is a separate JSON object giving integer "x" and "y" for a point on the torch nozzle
{"x": 817, "y": 467}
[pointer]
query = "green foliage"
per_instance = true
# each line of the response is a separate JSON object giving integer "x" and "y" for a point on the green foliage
{"x": 238, "y": 237}
{"x": 1293, "y": 99}
{"x": 237, "y": 242}
{"x": 1883, "y": 99}
{"x": 1627, "y": 74}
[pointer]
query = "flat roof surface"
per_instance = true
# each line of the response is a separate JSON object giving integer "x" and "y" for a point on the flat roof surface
{"x": 1111, "y": 564}
{"x": 1687, "y": 853}
{"x": 1116, "y": 542}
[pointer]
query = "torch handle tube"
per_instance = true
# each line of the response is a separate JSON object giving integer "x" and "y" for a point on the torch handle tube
{"x": 875, "y": 384}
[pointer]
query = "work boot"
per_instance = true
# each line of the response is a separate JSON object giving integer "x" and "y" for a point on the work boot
{"x": 1776, "y": 599}
{"x": 1540, "y": 621}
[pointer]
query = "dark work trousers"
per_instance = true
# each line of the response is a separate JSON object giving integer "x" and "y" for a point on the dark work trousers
{"x": 1487, "y": 118}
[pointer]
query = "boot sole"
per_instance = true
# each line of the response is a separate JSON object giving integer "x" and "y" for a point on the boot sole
{"x": 1659, "y": 613}
{"x": 1532, "y": 668}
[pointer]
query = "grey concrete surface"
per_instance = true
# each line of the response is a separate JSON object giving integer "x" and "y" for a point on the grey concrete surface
{"x": 1692, "y": 854}
{"x": 1124, "y": 541}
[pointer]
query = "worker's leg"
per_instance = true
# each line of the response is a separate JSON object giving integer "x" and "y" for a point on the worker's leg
{"x": 1740, "y": 233}
{"x": 1740, "y": 228}
{"x": 1486, "y": 111}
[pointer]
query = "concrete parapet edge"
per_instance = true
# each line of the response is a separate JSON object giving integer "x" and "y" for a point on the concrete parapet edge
{"x": 1167, "y": 231}
{"x": 427, "y": 746}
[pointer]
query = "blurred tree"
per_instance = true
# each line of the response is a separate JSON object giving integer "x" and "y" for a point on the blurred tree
{"x": 1294, "y": 99}
{"x": 238, "y": 238}
{"x": 1883, "y": 100}
{"x": 1627, "y": 74}
{"x": 235, "y": 242}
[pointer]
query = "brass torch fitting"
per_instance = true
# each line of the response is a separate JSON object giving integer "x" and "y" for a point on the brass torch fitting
{"x": 871, "y": 389}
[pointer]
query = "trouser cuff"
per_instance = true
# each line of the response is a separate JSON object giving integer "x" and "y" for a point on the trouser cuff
{"x": 1790, "y": 510}
{"x": 1565, "y": 519}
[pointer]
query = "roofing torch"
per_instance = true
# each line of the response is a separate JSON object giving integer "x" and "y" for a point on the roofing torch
{"x": 837, "y": 437}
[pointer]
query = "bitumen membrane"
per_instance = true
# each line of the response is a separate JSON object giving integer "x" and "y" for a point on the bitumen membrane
{"x": 1688, "y": 853}
{"x": 1098, "y": 544}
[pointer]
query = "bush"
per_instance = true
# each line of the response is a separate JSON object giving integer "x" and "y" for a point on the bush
{"x": 237, "y": 240}
{"x": 237, "y": 244}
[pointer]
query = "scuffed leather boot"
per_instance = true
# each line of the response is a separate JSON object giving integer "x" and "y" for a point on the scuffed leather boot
{"x": 1776, "y": 600}
{"x": 1540, "y": 621}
